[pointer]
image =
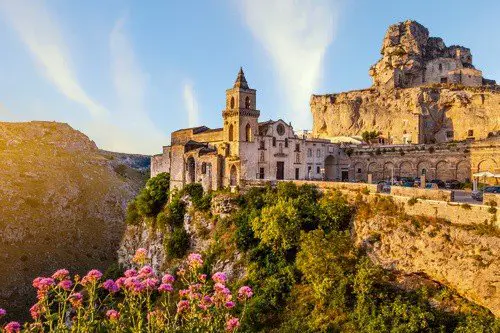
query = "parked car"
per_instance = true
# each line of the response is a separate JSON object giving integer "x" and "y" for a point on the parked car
{"x": 439, "y": 183}
{"x": 478, "y": 195}
{"x": 431, "y": 186}
{"x": 452, "y": 184}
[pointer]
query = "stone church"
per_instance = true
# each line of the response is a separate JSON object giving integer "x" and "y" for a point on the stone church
{"x": 246, "y": 150}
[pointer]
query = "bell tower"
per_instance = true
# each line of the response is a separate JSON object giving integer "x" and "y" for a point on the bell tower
{"x": 240, "y": 115}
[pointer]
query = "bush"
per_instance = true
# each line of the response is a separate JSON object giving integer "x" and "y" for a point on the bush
{"x": 177, "y": 244}
{"x": 132, "y": 215}
{"x": 154, "y": 195}
{"x": 412, "y": 201}
{"x": 466, "y": 206}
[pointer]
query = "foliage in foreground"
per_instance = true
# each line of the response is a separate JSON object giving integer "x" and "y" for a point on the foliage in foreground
{"x": 139, "y": 301}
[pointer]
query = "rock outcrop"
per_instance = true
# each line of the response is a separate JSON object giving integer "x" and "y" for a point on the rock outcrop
{"x": 62, "y": 205}
{"x": 464, "y": 259}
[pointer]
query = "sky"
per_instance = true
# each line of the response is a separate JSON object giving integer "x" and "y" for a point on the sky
{"x": 128, "y": 73}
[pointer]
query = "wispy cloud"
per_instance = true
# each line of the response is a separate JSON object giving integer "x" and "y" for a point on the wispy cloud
{"x": 191, "y": 104}
{"x": 296, "y": 35}
{"x": 41, "y": 35}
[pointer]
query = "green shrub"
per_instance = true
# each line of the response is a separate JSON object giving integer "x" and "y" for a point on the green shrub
{"x": 194, "y": 190}
{"x": 466, "y": 206}
{"x": 154, "y": 195}
{"x": 132, "y": 215}
{"x": 412, "y": 201}
{"x": 177, "y": 243}
{"x": 492, "y": 210}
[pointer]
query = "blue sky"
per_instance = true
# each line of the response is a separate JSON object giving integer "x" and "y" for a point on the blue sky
{"x": 127, "y": 73}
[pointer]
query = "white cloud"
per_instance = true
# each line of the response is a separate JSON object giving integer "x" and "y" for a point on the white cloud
{"x": 191, "y": 104}
{"x": 296, "y": 35}
{"x": 41, "y": 35}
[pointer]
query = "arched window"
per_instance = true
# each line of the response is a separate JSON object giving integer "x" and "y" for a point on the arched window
{"x": 274, "y": 142}
{"x": 203, "y": 168}
{"x": 232, "y": 102}
{"x": 231, "y": 132}
{"x": 248, "y": 133}
{"x": 286, "y": 142}
{"x": 247, "y": 102}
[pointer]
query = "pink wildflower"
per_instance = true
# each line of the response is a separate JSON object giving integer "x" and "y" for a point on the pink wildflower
{"x": 150, "y": 283}
{"x": 219, "y": 277}
{"x": 60, "y": 274}
{"x": 165, "y": 288}
{"x": 2, "y": 312}
{"x": 12, "y": 327}
{"x": 43, "y": 283}
{"x": 113, "y": 315}
{"x": 194, "y": 260}
{"x": 76, "y": 300}
{"x": 245, "y": 292}
{"x": 181, "y": 272}
{"x": 92, "y": 276}
{"x": 202, "y": 277}
{"x": 145, "y": 271}
{"x": 182, "y": 306}
{"x": 130, "y": 273}
{"x": 167, "y": 278}
{"x": 232, "y": 324}
{"x": 120, "y": 282}
{"x": 65, "y": 284}
{"x": 140, "y": 256}
{"x": 35, "y": 311}
{"x": 110, "y": 286}
{"x": 229, "y": 305}
{"x": 183, "y": 292}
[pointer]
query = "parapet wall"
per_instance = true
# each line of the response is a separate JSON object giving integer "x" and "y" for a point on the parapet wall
{"x": 415, "y": 192}
{"x": 322, "y": 185}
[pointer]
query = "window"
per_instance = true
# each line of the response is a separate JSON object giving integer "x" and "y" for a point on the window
{"x": 318, "y": 169}
{"x": 286, "y": 143}
{"x": 318, "y": 153}
{"x": 309, "y": 152}
{"x": 274, "y": 142}
{"x": 262, "y": 145}
{"x": 297, "y": 147}
{"x": 280, "y": 129}
{"x": 440, "y": 67}
{"x": 297, "y": 157}
{"x": 297, "y": 173}
{"x": 262, "y": 158}
{"x": 261, "y": 173}
{"x": 449, "y": 134}
{"x": 248, "y": 133}
{"x": 247, "y": 102}
{"x": 470, "y": 132}
{"x": 309, "y": 172}
{"x": 281, "y": 148}
{"x": 424, "y": 171}
{"x": 359, "y": 170}
{"x": 444, "y": 80}
{"x": 203, "y": 168}
{"x": 232, "y": 102}
{"x": 231, "y": 132}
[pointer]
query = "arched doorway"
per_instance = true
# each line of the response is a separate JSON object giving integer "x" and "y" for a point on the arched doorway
{"x": 329, "y": 167}
{"x": 233, "y": 176}
{"x": 374, "y": 169}
{"x": 462, "y": 173}
{"x": 389, "y": 171}
{"x": 443, "y": 171}
{"x": 406, "y": 170}
{"x": 191, "y": 168}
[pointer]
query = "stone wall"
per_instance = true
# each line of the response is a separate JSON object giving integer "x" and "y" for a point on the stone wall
{"x": 415, "y": 192}
{"x": 489, "y": 198}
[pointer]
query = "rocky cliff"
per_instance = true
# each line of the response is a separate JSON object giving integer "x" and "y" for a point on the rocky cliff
{"x": 464, "y": 259}
{"x": 62, "y": 204}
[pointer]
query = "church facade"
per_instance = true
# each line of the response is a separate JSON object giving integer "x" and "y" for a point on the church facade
{"x": 245, "y": 150}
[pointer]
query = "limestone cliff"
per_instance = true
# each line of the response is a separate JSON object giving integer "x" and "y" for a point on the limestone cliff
{"x": 62, "y": 204}
{"x": 464, "y": 259}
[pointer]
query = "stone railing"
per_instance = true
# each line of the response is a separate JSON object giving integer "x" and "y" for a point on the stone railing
{"x": 324, "y": 185}
{"x": 416, "y": 192}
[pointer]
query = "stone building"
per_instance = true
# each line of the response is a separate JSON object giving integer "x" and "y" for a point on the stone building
{"x": 245, "y": 150}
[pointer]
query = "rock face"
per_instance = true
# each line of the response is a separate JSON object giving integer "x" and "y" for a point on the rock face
{"x": 423, "y": 92}
{"x": 461, "y": 259}
{"x": 62, "y": 205}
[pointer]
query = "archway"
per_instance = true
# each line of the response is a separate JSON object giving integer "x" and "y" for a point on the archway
{"x": 329, "y": 167}
{"x": 233, "y": 176}
{"x": 425, "y": 168}
{"x": 389, "y": 171}
{"x": 406, "y": 170}
{"x": 248, "y": 133}
{"x": 374, "y": 169}
{"x": 443, "y": 170}
{"x": 191, "y": 168}
{"x": 462, "y": 172}
{"x": 488, "y": 165}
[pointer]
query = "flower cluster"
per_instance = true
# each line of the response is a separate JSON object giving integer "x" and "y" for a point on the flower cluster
{"x": 140, "y": 300}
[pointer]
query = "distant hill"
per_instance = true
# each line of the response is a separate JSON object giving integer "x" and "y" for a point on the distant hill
{"x": 62, "y": 204}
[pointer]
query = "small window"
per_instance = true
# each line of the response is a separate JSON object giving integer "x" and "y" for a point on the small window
{"x": 424, "y": 171}
{"x": 247, "y": 102}
{"x": 444, "y": 80}
{"x": 297, "y": 173}
{"x": 297, "y": 157}
{"x": 232, "y": 102}
{"x": 286, "y": 143}
{"x": 359, "y": 170}
{"x": 274, "y": 142}
{"x": 309, "y": 152}
{"x": 297, "y": 147}
{"x": 318, "y": 169}
{"x": 281, "y": 147}
{"x": 262, "y": 144}
{"x": 203, "y": 168}
{"x": 318, "y": 153}
{"x": 440, "y": 67}
{"x": 262, "y": 158}
{"x": 261, "y": 173}
{"x": 449, "y": 134}
{"x": 470, "y": 132}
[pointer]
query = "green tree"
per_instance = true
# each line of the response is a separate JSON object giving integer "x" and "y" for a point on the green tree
{"x": 368, "y": 136}
{"x": 154, "y": 195}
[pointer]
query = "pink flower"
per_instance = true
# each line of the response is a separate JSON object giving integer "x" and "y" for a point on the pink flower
{"x": 12, "y": 327}
{"x": 150, "y": 283}
{"x": 130, "y": 273}
{"x": 219, "y": 277}
{"x": 36, "y": 282}
{"x": 229, "y": 305}
{"x": 181, "y": 272}
{"x": 92, "y": 276}
{"x": 167, "y": 278}
{"x": 2, "y": 312}
{"x": 110, "y": 286}
{"x": 140, "y": 256}
{"x": 182, "y": 306}
{"x": 245, "y": 292}
{"x": 65, "y": 284}
{"x": 60, "y": 274}
{"x": 194, "y": 260}
{"x": 43, "y": 283}
{"x": 145, "y": 271}
{"x": 202, "y": 277}
{"x": 165, "y": 288}
{"x": 76, "y": 300}
{"x": 113, "y": 315}
{"x": 183, "y": 292}
{"x": 35, "y": 311}
{"x": 120, "y": 282}
{"x": 232, "y": 324}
